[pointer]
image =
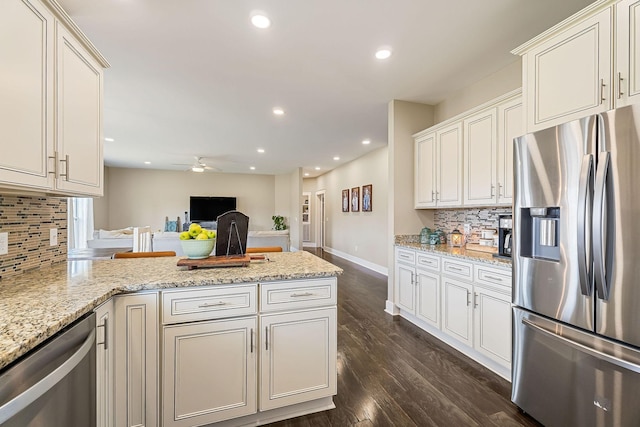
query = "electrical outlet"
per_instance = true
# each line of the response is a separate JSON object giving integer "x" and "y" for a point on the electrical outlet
{"x": 356, "y": 248}
{"x": 467, "y": 228}
{"x": 53, "y": 237}
{"x": 4, "y": 243}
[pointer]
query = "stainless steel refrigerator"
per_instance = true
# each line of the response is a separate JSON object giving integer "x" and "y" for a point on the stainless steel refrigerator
{"x": 576, "y": 272}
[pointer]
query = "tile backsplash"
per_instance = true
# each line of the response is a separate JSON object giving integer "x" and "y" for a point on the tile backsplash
{"x": 479, "y": 218}
{"x": 28, "y": 221}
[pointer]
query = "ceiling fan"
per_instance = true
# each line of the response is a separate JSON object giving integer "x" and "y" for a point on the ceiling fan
{"x": 198, "y": 165}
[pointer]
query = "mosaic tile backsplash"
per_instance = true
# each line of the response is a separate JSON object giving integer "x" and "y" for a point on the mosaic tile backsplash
{"x": 28, "y": 220}
{"x": 479, "y": 218}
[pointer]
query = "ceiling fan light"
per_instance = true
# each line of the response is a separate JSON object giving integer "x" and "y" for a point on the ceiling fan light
{"x": 197, "y": 169}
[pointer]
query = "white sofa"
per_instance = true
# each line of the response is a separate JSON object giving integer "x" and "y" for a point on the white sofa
{"x": 170, "y": 241}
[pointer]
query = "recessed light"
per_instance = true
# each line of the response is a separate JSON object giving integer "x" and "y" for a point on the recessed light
{"x": 336, "y": 158}
{"x": 252, "y": 168}
{"x": 383, "y": 53}
{"x": 278, "y": 111}
{"x": 109, "y": 139}
{"x": 260, "y": 21}
{"x": 366, "y": 142}
{"x": 260, "y": 150}
{"x": 147, "y": 162}
{"x": 317, "y": 168}
{"x": 306, "y": 174}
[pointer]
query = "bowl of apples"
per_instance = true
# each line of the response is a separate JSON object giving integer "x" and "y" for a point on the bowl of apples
{"x": 197, "y": 242}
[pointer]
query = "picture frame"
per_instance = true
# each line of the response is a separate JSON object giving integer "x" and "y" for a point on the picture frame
{"x": 345, "y": 200}
{"x": 367, "y": 198}
{"x": 355, "y": 199}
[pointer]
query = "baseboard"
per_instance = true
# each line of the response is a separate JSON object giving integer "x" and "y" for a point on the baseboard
{"x": 309, "y": 245}
{"x": 364, "y": 263}
{"x": 391, "y": 308}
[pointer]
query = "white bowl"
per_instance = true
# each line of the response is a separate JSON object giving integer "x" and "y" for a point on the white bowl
{"x": 197, "y": 249}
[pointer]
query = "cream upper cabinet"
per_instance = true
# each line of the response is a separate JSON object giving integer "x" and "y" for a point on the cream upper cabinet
{"x": 568, "y": 76}
{"x": 50, "y": 102}
{"x": 79, "y": 119}
{"x": 480, "y": 157}
{"x": 425, "y": 171}
{"x": 510, "y": 126}
{"x": 26, "y": 94}
{"x": 627, "y": 88}
{"x": 449, "y": 165}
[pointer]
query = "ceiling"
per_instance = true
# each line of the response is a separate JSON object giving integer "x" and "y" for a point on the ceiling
{"x": 195, "y": 78}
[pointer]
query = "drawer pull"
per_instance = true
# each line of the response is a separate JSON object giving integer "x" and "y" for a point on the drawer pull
{"x": 427, "y": 261}
{"x": 214, "y": 304}
{"x": 405, "y": 256}
{"x": 459, "y": 269}
{"x": 303, "y": 294}
{"x": 493, "y": 278}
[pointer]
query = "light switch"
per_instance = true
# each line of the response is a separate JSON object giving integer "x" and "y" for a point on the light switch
{"x": 53, "y": 237}
{"x": 4, "y": 243}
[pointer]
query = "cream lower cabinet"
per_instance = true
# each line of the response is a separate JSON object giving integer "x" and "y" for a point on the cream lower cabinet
{"x": 298, "y": 354}
{"x": 104, "y": 364}
{"x": 466, "y": 304}
{"x": 136, "y": 360}
{"x": 209, "y": 371}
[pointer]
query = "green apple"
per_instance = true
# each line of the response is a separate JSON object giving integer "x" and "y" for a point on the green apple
{"x": 185, "y": 235}
{"x": 211, "y": 234}
{"x": 194, "y": 230}
{"x": 202, "y": 236}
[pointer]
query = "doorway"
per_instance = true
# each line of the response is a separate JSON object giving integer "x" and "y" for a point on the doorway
{"x": 320, "y": 219}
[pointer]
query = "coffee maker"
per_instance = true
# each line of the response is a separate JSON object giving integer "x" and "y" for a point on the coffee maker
{"x": 505, "y": 234}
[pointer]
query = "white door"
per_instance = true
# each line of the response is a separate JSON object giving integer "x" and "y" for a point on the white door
{"x": 510, "y": 126}
{"x": 136, "y": 360}
{"x": 425, "y": 173}
{"x": 26, "y": 93}
{"x": 405, "y": 288}
{"x": 492, "y": 324}
{"x": 209, "y": 371}
{"x": 297, "y": 357}
{"x": 449, "y": 165}
{"x": 627, "y": 78}
{"x": 569, "y": 76}
{"x": 104, "y": 364}
{"x": 457, "y": 319}
{"x": 428, "y": 297}
{"x": 79, "y": 120}
{"x": 480, "y": 157}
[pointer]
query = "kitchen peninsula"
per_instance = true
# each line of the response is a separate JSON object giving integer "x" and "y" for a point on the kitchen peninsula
{"x": 168, "y": 324}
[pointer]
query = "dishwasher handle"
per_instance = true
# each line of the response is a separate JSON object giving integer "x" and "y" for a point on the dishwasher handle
{"x": 26, "y": 398}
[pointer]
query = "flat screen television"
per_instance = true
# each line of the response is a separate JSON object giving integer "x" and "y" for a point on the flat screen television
{"x": 204, "y": 208}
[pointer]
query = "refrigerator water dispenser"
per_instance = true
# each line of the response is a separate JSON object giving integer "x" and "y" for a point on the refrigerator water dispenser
{"x": 540, "y": 229}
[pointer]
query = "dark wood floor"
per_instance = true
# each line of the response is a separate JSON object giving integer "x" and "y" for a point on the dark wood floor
{"x": 391, "y": 373}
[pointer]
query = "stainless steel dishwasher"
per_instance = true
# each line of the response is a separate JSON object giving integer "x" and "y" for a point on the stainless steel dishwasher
{"x": 55, "y": 385}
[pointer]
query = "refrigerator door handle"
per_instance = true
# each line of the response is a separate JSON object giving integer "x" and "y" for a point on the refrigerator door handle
{"x": 599, "y": 225}
{"x": 584, "y": 349}
{"x": 584, "y": 246}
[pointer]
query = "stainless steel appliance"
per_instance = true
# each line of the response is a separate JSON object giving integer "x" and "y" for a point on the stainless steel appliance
{"x": 55, "y": 385}
{"x": 505, "y": 235}
{"x": 576, "y": 272}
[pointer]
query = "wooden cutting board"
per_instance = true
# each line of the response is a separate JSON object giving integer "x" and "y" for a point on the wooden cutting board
{"x": 216, "y": 262}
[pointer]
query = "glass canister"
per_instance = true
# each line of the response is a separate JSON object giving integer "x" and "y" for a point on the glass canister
{"x": 434, "y": 238}
{"x": 443, "y": 236}
{"x": 424, "y": 236}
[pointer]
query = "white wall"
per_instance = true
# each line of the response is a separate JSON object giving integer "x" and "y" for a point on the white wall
{"x": 139, "y": 197}
{"x": 295, "y": 213}
{"x": 359, "y": 236}
{"x": 101, "y": 206}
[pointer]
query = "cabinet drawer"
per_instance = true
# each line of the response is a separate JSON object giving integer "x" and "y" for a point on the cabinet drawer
{"x": 461, "y": 269}
{"x": 406, "y": 256}
{"x": 430, "y": 262}
{"x": 493, "y": 277}
{"x": 295, "y": 294}
{"x": 211, "y": 303}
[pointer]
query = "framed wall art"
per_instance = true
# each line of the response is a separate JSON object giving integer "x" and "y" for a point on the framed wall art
{"x": 355, "y": 199}
{"x": 345, "y": 200}
{"x": 367, "y": 198}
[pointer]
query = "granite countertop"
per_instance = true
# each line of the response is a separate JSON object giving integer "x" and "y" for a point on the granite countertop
{"x": 37, "y": 304}
{"x": 458, "y": 253}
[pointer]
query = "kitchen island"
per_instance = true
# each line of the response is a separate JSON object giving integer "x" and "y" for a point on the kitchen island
{"x": 276, "y": 294}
